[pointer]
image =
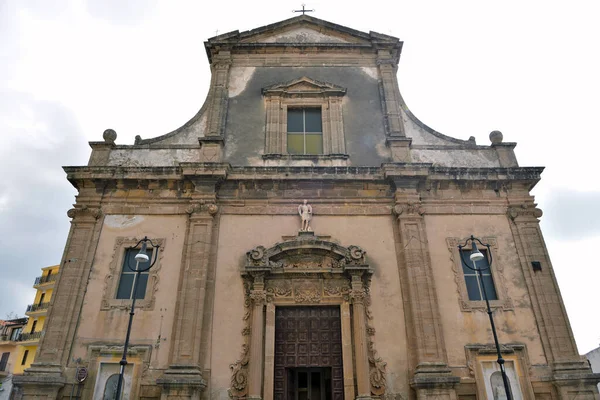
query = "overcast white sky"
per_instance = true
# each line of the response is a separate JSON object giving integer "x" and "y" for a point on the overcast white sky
{"x": 71, "y": 69}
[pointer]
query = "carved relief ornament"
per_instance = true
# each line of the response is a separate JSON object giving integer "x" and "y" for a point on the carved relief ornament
{"x": 282, "y": 255}
{"x": 239, "y": 369}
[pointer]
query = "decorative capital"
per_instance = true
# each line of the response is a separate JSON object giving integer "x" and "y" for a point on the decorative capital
{"x": 358, "y": 296}
{"x": 95, "y": 213}
{"x": 258, "y": 297}
{"x": 202, "y": 206}
{"x": 525, "y": 210}
{"x": 212, "y": 208}
{"x": 408, "y": 209}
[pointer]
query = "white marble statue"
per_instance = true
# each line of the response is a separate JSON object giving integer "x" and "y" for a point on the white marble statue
{"x": 305, "y": 212}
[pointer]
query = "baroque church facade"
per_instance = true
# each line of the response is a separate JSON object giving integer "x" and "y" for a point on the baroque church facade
{"x": 308, "y": 227}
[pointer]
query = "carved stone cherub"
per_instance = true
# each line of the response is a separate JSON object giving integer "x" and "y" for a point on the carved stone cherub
{"x": 305, "y": 212}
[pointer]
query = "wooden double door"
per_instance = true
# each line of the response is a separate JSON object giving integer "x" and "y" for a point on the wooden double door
{"x": 308, "y": 353}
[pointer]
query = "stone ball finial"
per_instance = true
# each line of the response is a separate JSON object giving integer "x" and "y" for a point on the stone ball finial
{"x": 109, "y": 136}
{"x": 496, "y": 137}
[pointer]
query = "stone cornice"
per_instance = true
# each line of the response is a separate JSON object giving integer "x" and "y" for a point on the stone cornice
{"x": 398, "y": 173}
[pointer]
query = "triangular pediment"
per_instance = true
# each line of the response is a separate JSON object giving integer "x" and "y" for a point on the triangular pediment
{"x": 303, "y": 29}
{"x": 304, "y": 85}
{"x": 303, "y": 32}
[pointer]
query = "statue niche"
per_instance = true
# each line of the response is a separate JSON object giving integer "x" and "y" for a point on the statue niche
{"x": 306, "y": 271}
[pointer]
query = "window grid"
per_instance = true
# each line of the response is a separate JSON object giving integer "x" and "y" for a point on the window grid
{"x": 129, "y": 277}
{"x": 311, "y": 127}
{"x": 472, "y": 281}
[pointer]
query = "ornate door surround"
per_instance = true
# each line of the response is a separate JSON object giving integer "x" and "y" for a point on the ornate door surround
{"x": 307, "y": 270}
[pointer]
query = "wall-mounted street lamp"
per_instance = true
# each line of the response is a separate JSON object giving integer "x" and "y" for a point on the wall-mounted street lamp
{"x": 141, "y": 258}
{"x": 475, "y": 256}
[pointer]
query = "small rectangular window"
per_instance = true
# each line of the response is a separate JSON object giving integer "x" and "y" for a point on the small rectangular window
{"x": 474, "y": 288}
{"x": 128, "y": 276}
{"x": 304, "y": 131}
{"x": 14, "y": 336}
{"x": 4, "y": 361}
{"x": 33, "y": 325}
{"x": 25, "y": 354}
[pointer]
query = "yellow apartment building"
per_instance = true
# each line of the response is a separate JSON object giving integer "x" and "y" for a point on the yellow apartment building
{"x": 33, "y": 330}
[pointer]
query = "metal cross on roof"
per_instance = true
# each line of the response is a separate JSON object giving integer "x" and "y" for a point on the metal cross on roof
{"x": 303, "y": 10}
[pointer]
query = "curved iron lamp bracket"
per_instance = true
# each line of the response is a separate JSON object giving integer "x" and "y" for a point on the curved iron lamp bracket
{"x": 488, "y": 255}
{"x": 144, "y": 242}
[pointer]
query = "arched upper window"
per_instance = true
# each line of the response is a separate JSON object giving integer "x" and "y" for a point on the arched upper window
{"x": 498, "y": 386}
{"x": 110, "y": 389}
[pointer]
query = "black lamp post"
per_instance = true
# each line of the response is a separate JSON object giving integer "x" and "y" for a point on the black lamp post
{"x": 475, "y": 256}
{"x": 141, "y": 258}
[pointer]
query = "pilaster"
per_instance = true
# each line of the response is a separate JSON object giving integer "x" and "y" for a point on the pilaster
{"x": 391, "y": 93}
{"x": 219, "y": 97}
{"x": 44, "y": 379}
{"x": 572, "y": 374}
{"x": 432, "y": 377}
{"x": 184, "y": 376}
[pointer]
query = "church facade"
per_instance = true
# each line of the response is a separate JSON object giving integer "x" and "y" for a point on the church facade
{"x": 307, "y": 227}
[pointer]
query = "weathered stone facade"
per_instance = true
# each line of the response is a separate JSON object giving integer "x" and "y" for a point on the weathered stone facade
{"x": 391, "y": 200}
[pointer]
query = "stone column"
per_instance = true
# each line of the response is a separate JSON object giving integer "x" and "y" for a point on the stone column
{"x": 269, "y": 374}
{"x": 358, "y": 297}
{"x": 432, "y": 376}
{"x": 44, "y": 378}
{"x": 347, "y": 359}
{"x": 571, "y": 371}
{"x": 258, "y": 296}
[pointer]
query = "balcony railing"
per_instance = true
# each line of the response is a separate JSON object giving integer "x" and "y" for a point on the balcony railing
{"x": 37, "y": 307}
{"x": 30, "y": 336}
{"x": 40, "y": 280}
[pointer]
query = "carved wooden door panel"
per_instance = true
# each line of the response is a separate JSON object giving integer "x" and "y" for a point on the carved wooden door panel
{"x": 307, "y": 337}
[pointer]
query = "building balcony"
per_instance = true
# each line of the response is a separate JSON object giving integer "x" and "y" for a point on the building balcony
{"x": 44, "y": 279}
{"x": 37, "y": 308}
{"x": 31, "y": 336}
